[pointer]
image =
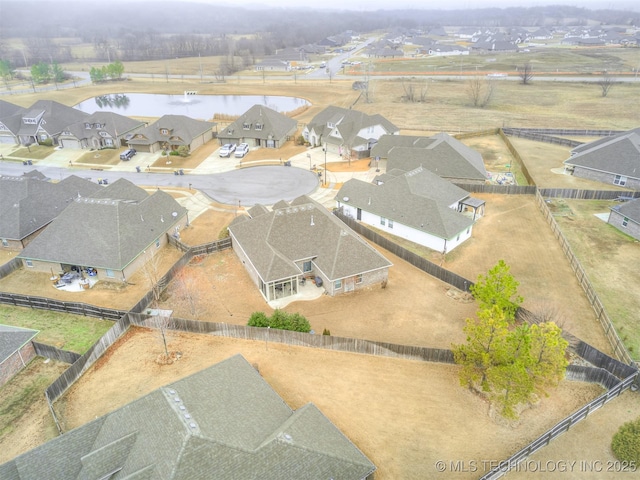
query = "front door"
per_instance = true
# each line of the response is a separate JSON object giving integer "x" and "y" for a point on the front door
{"x": 359, "y": 214}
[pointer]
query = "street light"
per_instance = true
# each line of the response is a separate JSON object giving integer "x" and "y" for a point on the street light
{"x": 325, "y": 163}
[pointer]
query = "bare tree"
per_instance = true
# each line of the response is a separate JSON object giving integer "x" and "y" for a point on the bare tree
{"x": 414, "y": 93}
{"x": 526, "y": 73}
{"x": 161, "y": 320}
{"x": 480, "y": 91}
{"x": 606, "y": 81}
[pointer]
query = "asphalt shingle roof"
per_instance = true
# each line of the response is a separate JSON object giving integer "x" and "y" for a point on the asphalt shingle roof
{"x": 12, "y": 339}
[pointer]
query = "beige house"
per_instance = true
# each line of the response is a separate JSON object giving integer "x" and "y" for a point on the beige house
{"x": 171, "y": 132}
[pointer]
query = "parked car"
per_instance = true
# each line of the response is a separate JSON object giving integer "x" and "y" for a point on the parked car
{"x": 227, "y": 149}
{"x": 127, "y": 154}
{"x": 242, "y": 150}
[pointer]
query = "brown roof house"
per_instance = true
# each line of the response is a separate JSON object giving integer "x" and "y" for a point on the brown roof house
{"x": 99, "y": 130}
{"x": 418, "y": 205}
{"x": 613, "y": 160}
{"x": 260, "y": 126}
{"x": 347, "y": 132}
{"x": 111, "y": 233}
{"x": 170, "y": 132}
{"x": 224, "y": 422}
{"x": 300, "y": 240}
{"x": 442, "y": 154}
{"x": 29, "y": 203}
{"x": 16, "y": 350}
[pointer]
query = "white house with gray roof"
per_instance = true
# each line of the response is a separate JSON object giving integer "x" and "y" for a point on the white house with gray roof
{"x": 110, "y": 233}
{"x": 442, "y": 154}
{"x": 301, "y": 239}
{"x": 347, "y": 132}
{"x": 260, "y": 126}
{"x": 614, "y": 160}
{"x": 224, "y": 422}
{"x": 99, "y": 130}
{"x": 417, "y": 205}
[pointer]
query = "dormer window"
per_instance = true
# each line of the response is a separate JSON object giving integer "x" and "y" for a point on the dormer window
{"x": 164, "y": 131}
{"x": 330, "y": 125}
{"x": 258, "y": 126}
{"x": 29, "y": 121}
{"x": 87, "y": 126}
{"x": 246, "y": 126}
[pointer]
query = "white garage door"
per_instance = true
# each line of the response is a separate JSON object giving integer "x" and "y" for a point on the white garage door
{"x": 66, "y": 143}
{"x": 7, "y": 139}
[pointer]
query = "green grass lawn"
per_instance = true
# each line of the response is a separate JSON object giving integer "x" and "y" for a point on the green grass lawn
{"x": 61, "y": 330}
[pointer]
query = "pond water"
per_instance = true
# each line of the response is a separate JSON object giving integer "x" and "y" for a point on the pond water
{"x": 202, "y": 107}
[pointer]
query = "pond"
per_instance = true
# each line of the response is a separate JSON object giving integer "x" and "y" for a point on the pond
{"x": 203, "y": 107}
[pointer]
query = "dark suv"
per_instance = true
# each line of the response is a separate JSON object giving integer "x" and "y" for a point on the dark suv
{"x": 127, "y": 154}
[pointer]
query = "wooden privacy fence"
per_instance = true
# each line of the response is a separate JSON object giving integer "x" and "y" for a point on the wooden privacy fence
{"x": 75, "y": 308}
{"x": 540, "y": 137}
{"x": 10, "y": 267}
{"x": 49, "y": 351}
{"x": 417, "y": 261}
{"x": 544, "y": 439}
{"x": 578, "y": 194}
{"x": 619, "y": 349}
{"x": 203, "y": 249}
{"x": 274, "y": 335}
{"x": 567, "y": 132}
{"x": 517, "y": 157}
{"x": 499, "y": 189}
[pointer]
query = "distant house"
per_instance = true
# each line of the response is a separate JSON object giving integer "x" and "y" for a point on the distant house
{"x": 626, "y": 218}
{"x": 613, "y": 160}
{"x": 418, "y": 206}
{"x": 260, "y": 126}
{"x": 279, "y": 247}
{"x": 273, "y": 65}
{"x": 224, "y": 422}
{"x": 44, "y": 120}
{"x": 10, "y": 120}
{"x": 171, "y": 132}
{"x": 347, "y": 132}
{"x": 16, "y": 351}
{"x": 442, "y": 154}
{"x": 112, "y": 232}
{"x": 29, "y": 203}
{"x": 439, "y": 50}
{"x": 99, "y": 130}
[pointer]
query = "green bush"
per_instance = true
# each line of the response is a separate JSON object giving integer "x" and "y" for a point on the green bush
{"x": 47, "y": 143}
{"x": 280, "y": 320}
{"x": 326, "y": 331}
{"x": 626, "y": 442}
{"x": 174, "y": 153}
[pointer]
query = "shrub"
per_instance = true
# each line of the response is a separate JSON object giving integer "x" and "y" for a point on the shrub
{"x": 47, "y": 143}
{"x": 258, "y": 319}
{"x": 326, "y": 332}
{"x": 280, "y": 320}
{"x": 174, "y": 153}
{"x": 626, "y": 442}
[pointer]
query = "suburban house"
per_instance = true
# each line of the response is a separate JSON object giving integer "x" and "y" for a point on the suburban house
{"x": 626, "y": 218}
{"x": 347, "y": 132}
{"x": 260, "y": 126}
{"x": 99, "y": 130}
{"x": 16, "y": 350}
{"x": 299, "y": 240}
{"x": 170, "y": 132}
{"x": 273, "y": 65}
{"x": 444, "y": 155}
{"x": 44, "y": 120}
{"x": 10, "y": 119}
{"x": 613, "y": 160}
{"x": 224, "y": 422}
{"x": 29, "y": 203}
{"x": 417, "y": 205}
{"x": 110, "y": 233}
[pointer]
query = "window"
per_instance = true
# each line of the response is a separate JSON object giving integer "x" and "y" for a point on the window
{"x": 258, "y": 126}
{"x": 5, "y": 243}
{"x": 620, "y": 180}
{"x": 390, "y": 223}
{"x": 625, "y": 221}
{"x": 87, "y": 126}
{"x": 358, "y": 278}
{"x": 29, "y": 263}
{"x": 246, "y": 126}
{"x": 383, "y": 221}
{"x": 164, "y": 131}
{"x": 157, "y": 243}
{"x": 110, "y": 273}
{"x": 337, "y": 285}
{"x": 306, "y": 266}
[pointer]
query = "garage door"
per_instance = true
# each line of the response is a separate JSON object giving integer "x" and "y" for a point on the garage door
{"x": 7, "y": 139}
{"x": 66, "y": 143}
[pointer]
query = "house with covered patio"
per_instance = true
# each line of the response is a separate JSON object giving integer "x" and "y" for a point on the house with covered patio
{"x": 298, "y": 242}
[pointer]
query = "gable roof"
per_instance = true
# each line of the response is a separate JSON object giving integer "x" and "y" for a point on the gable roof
{"x": 441, "y": 153}
{"x": 8, "y": 109}
{"x": 28, "y": 202}
{"x": 55, "y": 117}
{"x": 618, "y": 154}
{"x": 13, "y": 339}
{"x": 108, "y": 229}
{"x": 262, "y": 122}
{"x": 224, "y": 422}
{"x": 112, "y": 123}
{"x": 299, "y": 231}
{"x": 630, "y": 209}
{"x": 419, "y": 199}
{"x": 182, "y": 131}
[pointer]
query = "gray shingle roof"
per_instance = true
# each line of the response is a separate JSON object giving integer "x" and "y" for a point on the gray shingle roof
{"x": 630, "y": 210}
{"x": 618, "y": 154}
{"x": 12, "y": 339}
{"x": 28, "y": 203}
{"x": 107, "y": 230}
{"x": 271, "y": 124}
{"x": 112, "y": 123}
{"x": 8, "y": 109}
{"x": 55, "y": 118}
{"x": 419, "y": 199}
{"x": 442, "y": 154}
{"x": 304, "y": 230}
{"x": 182, "y": 131}
{"x": 224, "y": 422}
